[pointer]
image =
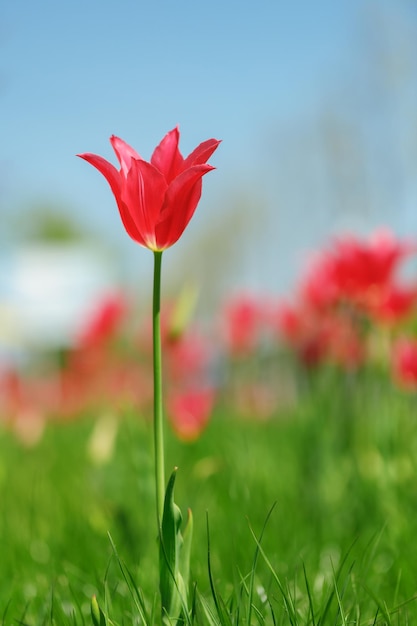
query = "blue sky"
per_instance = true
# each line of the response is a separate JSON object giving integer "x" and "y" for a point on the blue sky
{"x": 73, "y": 73}
{"x": 76, "y": 72}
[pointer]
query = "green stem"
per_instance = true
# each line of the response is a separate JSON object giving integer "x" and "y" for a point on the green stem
{"x": 157, "y": 382}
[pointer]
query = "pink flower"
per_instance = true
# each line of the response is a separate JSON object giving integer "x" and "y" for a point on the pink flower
{"x": 156, "y": 199}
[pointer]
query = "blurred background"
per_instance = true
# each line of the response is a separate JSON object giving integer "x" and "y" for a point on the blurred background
{"x": 316, "y": 104}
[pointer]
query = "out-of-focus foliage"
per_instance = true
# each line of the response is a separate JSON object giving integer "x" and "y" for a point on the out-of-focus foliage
{"x": 44, "y": 223}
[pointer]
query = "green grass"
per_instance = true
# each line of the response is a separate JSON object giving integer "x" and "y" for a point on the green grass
{"x": 330, "y": 485}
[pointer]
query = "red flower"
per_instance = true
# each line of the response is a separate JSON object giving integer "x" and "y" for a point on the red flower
{"x": 290, "y": 321}
{"x": 242, "y": 324}
{"x": 319, "y": 287}
{"x": 395, "y": 303}
{"x": 189, "y": 412}
{"x": 319, "y": 336}
{"x": 156, "y": 199}
{"x": 363, "y": 268}
{"x": 404, "y": 363}
{"x": 103, "y": 322}
{"x": 187, "y": 356}
{"x": 355, "y": 271}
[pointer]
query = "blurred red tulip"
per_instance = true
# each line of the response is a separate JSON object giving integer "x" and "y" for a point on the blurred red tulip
{"x": 243, "y": 318}
{"x": 363, "y": 269}
{"x": 11, "y": 393}
{"x": 156, "y": 199}
{"x": 187, "y": 357}
{"x": 320, "y": 336}
{"x": 189, "y": 412}
{"x": 103, "y": 322}
{"x": 394, "y": 303}
{"x": 319, "y": 287}
{"x": 404, "y": 363}
{"x": 355, "y": 271}
{"x": 290, "y": 321}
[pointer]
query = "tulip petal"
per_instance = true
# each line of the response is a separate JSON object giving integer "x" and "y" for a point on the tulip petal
{"x": 143, "y": 193}
{"x": 124, "y": 153}
{"x": 115, "y": 181}
{"x": 181, "y": 200}
{"x": 202, "y": 153}
{"x": 104, "y": 167}
{"x": 166, "y": 157}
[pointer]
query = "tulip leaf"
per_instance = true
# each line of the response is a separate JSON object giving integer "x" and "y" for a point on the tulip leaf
{"x": 185, "y": 553}
{"x": 174, "y": 557}
{"x": 97, "y": 614}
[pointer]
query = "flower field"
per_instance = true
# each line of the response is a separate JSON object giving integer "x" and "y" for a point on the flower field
{"x": 293, "y": 425}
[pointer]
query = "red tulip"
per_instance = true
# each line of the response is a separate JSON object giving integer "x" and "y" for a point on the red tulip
{"x": 363, "y": 268}
{"x": 395, "y": 303}
{"x": 404, "y": 363}
{"x": 320, "y": 336}
{"x": 243, "y": 319}
{"x": 189, "y": 412}
{"x": 103, "y": 322}
{"x": 354, "y": 270}
{"x": 156, "y": 199}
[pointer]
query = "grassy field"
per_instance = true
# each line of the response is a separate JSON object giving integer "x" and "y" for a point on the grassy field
{"x": 330, "y": 483}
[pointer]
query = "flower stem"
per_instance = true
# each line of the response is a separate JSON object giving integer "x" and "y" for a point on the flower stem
{"x": 157, "y": 382}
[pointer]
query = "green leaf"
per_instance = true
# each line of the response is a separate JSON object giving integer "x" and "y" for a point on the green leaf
{"x": 97, "y": 614}
{"x": 185, "y": 552}
{"x": 174, "y": 557}
{"x": 168, "y": 550}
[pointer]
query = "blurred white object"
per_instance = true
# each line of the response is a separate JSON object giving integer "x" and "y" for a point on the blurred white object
{"x": 46, "y": 290}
